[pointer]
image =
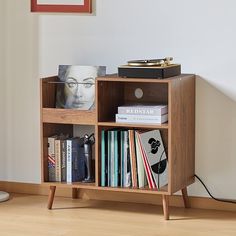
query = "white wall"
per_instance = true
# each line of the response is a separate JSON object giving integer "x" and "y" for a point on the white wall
{"x": 199, "y": 35}
{"x": 2, "y": 120}
{"x": 22, "y": 152}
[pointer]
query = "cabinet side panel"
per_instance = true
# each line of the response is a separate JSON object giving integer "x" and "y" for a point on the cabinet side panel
{"x": 182, "y": 132}
{"x": 48, "y": 92}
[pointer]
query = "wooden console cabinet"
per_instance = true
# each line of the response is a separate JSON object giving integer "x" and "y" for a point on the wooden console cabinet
{"x": 111, "y": 91}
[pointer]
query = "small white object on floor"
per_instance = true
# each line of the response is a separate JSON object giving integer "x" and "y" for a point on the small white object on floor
{"x": 4, "y": 196}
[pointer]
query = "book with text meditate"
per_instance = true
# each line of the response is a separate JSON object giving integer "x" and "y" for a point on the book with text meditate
{"x": 154, "y": 110}
{"x": 145, "y": 119}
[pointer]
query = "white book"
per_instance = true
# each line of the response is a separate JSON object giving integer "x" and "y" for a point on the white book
{"x": 153, "y": 110}
{"x": 144, "y": 119}
{"x": 69, "y": 160}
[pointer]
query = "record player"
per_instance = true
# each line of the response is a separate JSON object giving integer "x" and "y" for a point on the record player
{"x": 154, "y": 68}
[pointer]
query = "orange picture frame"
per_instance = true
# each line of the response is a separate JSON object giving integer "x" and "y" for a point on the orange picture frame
{"x": 83, "y": 6}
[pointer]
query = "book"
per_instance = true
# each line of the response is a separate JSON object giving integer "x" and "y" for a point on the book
{"x": 75, "y": 160}
{"x": 63, "y": 160}
{"x": 51, "y": 159}
{"x": 145, "y": 119}
{"x": 151, "y": 183}
{"x": 155, "y": 110}
{"x": 58, "y": 160}
{"x": 69, "y": 160}
{"x": 103, "y": 158}
{"x": 126, "y": 161}
{"x": 142, "y": 179}
{"x": 133, "y": 159}
{"x": 154, "y": 151}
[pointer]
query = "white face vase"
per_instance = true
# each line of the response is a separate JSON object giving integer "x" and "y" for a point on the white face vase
{"x": 80, "y": 87}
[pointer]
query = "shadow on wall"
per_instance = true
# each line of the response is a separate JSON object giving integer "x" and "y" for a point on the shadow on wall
{"x": 215, "y": 141}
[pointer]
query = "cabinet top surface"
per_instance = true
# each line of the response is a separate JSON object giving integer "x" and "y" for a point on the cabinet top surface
{"x": 143, "y": 80}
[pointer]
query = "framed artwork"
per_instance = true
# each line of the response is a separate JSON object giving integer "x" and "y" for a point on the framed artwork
{"x": 84, "y": 6}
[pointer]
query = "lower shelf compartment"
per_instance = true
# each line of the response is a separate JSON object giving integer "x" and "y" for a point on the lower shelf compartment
{"x": 93, "y": 186}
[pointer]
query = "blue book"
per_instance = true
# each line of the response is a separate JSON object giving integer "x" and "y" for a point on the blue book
{"x": 109, "y": 158}
{"x": 103, "y": 167}
{"x": 75, "y": 160}
{"x": 115, "y": 182}
{"x": 121, "y": 158}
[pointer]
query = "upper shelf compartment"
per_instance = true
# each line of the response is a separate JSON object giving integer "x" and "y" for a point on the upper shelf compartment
{"x": 113, "y": 92}
{"x": 50, "y": 114}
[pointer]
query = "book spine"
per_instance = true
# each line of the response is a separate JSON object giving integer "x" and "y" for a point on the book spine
{"x": 133, "y": 159}
{"x": 155, "y": 111}
{"x": 124, "y": 118}
{"x": 103, "y": 158}
{"x": 112, "y": 172}
{"x": 58, "y": 159}
{"x": 127, "y": 164}
{"x": 140, "y": 164}
{"x": 69, "y": 161}
{"x": 63, "y": 160}
{"x": 121, "y": 158}
{"x": 75, "y": 160}
{"x": 116, "y": 158}
{"x": 51, "y": 159}
{"x": 109, "y": 158}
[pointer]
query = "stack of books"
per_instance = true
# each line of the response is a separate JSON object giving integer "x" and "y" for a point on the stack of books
{"x": 145, "y": 114}
{"x": 66, "y": 160}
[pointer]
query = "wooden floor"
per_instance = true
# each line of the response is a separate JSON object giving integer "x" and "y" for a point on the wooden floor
{"x": 27, "y": 215}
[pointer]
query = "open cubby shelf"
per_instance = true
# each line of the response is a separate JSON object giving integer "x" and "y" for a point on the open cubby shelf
{"x": 178, "y": 133}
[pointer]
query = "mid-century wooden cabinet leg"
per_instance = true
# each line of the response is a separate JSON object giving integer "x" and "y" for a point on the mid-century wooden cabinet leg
{"x": 165, "y": 202}
{"x": 51, "y": 196}
{"x": 185, "y": 198}
{"x": 74, "y": 193}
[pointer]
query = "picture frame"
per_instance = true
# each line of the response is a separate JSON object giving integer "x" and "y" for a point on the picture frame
{"x": 63, "y": 6}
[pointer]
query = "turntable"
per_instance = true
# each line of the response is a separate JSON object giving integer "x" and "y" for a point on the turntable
{"x": 154, "y": 68}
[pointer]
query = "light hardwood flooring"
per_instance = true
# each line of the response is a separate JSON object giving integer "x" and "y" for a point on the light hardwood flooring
{"x": 27, "y": 215}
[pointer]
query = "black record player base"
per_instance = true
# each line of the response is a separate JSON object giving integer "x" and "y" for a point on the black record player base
{"x": 149, "y": 72}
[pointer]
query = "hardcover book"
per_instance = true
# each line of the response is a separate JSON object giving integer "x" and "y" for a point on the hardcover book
{"x": 154, "y": 110}
{"x": 142, "y": 179}
{"x": 75, "y": 160}
{"x": 51, "y": 159}
{"x": 144, "y": 119}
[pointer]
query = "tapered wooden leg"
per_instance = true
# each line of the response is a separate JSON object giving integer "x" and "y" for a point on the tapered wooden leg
{"x": 165, "y": 202}
{"x": 51, "y": 196}
{"x": 74, "y": 193}
{"x": 186, "y": 198}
